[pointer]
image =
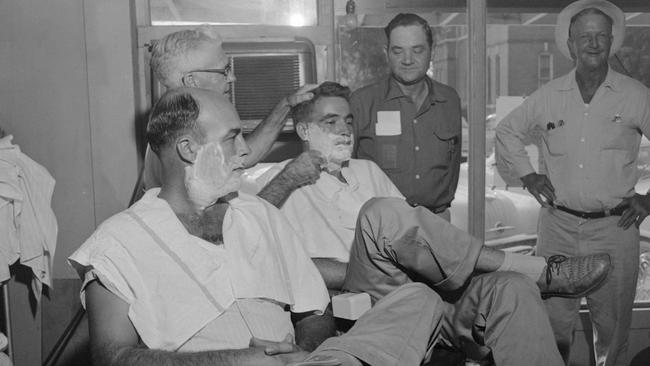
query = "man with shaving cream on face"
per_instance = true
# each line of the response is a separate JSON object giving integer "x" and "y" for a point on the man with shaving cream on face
{"x": 325, "y": 210}
{"x": 166, "y": 275}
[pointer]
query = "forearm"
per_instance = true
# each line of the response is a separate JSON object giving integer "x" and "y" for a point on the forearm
{"x": 263, "y": 136}
{"x": 140, "y": 356}
{"x": 511, "y": 136}
{"x": 312, "y": 330}
{"x": 332, "y": 271}
{"x": 278, "y": 189}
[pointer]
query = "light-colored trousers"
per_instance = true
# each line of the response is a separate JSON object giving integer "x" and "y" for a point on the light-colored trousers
{"x": 395, "y": 245}
{"x": 610, "y": 307}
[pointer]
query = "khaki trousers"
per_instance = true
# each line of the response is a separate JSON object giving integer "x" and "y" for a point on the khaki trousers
{"x": 396, "y": 245}
{"x": 610, "y": 307}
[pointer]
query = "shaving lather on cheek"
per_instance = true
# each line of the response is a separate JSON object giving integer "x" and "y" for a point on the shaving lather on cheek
{"x": 336, "y": 149}
{"x": 210, "y": 177}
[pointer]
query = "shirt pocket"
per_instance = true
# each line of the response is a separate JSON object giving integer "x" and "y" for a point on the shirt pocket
{"x": 387, "y": 151}
{"x": 619, "y": 136}
{"x": 556, "y": 141}
{"x": 445, "y": 146}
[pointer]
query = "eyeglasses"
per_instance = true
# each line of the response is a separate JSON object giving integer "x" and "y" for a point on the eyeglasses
{"x": 225, "y": 72}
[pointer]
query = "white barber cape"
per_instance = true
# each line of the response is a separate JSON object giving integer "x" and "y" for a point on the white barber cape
{"x": 175, "y": 287}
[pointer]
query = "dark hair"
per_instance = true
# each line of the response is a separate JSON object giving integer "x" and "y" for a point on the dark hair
{"x": 175, "y": 113}
{"x": 405, "y": 19}
{"x": 586, "y": 12}
{"x": 301, "y": 112}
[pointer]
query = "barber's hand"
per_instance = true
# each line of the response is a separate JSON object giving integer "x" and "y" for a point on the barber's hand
{"x": 272, "y": 348}
{"x": 301, "y": 95}
{"x": 637, "y": 208}
{"x": 540, "y": 187}
{"x": 305, "y": 169}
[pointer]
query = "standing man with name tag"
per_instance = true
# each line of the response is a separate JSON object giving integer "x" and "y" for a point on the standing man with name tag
{"x": 591, "y": 121}
{"x": 409, "y": 124}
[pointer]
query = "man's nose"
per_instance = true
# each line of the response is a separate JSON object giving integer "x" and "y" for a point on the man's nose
{"x": 342, "y": 128}
{"x": 243, "y": 148}
{"x": 593, "y": 42}
{"x": 407, "y": 58}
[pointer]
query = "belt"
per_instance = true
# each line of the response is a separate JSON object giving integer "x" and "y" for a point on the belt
{"x": 435, "y": 209}
{"x": 618, "y": 211}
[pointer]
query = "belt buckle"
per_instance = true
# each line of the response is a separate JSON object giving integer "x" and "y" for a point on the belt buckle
{"x": 607, "y": 212}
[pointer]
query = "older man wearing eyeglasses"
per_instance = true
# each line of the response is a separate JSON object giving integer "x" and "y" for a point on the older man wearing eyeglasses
{"x": 195, "y": 58}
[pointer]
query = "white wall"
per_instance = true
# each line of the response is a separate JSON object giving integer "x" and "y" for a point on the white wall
{"x": 67, "y": 96}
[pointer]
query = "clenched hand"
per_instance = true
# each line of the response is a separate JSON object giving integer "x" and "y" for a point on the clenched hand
{"x": 305, "y": 169}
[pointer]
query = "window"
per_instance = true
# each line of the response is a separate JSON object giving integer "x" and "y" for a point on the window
{"x": 544, "y": 68}
{"x": 267, "y": 12}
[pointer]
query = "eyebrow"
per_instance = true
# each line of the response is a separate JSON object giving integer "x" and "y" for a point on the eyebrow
{"x": 334, "y": 115}
{"x": 327, "y": 116}
{"x": 233, "y": 132}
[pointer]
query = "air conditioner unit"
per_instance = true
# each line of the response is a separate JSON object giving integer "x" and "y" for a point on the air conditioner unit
{"x": 266, "y": 72}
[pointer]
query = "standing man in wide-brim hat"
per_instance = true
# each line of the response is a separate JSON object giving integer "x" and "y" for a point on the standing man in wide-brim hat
{"x": 591, "y": 122}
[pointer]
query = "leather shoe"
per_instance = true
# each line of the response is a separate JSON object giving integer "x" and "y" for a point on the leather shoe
{"x": 573, "y": 277}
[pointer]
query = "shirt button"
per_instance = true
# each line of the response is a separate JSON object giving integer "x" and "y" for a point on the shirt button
{"x": 586, "y": 113}
{"x": 417, "y": 148}
{"x": 417, "y": 176}
{"x": 582, "y": 139}
{"x": 415, "y": 121}
{"x": 580, "y": 166}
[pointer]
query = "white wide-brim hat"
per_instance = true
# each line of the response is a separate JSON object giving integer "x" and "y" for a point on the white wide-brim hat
{"x": 564, "y": 20}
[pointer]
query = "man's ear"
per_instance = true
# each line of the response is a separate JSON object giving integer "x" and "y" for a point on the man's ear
{"x": 187, "y": 148}
{"x": 302, "y": 129}
{"x": 189, "y": 81}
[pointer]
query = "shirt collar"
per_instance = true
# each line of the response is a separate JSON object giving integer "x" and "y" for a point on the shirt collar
{"x": 393, "y": 91}
{"x": 568, "y": 81}
{"x": 329, "y": 185}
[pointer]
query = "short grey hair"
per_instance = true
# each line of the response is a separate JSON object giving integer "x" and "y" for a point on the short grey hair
{"x": 170, "y": 53}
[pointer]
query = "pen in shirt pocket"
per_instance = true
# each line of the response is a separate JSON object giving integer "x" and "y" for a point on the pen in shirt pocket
{"x": 554, "y": 125}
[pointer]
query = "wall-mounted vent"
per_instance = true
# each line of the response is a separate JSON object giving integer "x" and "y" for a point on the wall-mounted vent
{"x": 261, "y": 81}
{"x": 266, "y": 72}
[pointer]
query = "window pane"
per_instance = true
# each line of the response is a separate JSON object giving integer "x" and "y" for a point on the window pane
{"x": 269, "y": 12}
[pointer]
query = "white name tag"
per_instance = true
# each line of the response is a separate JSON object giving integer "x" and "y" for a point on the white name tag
{"x": 388, "y": 123}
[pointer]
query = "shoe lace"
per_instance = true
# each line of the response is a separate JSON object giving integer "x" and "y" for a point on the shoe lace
{"x": 553, "y": 264}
